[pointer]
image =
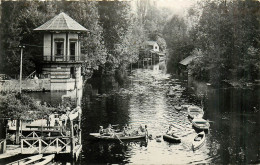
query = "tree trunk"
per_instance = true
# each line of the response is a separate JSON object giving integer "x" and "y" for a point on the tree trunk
{"x": 17, "y": 131}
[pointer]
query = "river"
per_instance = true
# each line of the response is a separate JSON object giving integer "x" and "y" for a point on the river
{"x": 144, "y": 99}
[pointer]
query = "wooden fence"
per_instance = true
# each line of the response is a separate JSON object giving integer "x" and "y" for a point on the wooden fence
{"x": 38, "y": 145}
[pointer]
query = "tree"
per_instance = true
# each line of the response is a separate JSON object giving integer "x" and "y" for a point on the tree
{"x": 93, "y": 47}
{"x": 115, "y": 24}
{"x": 225, "y": 34}
{"x": 177, "y": 39}
{"x": 19, "y": 20}
{"x": 21, "y": 107}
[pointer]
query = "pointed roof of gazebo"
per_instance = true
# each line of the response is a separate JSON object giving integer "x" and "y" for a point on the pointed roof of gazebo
{"x": 61, "y": 22}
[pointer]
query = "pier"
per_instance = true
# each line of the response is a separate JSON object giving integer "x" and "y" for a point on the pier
{"x": 36, "y": 137}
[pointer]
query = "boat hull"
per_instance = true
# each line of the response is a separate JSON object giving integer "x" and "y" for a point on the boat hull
{"x": 27, "y": 160}
{"x": 198, "y": 144}
{"x": 45, "y": 160}
{"x": 118, "y": 136}
{"x": 172, "y": 139}
{"x": 200, "y": 124}
{"x": 195, "y": 112}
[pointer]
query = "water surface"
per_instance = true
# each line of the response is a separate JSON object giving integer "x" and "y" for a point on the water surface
{"x": 144, "y": 99}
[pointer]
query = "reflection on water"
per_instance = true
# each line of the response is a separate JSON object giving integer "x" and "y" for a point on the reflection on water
{"x": 145, "y": 99}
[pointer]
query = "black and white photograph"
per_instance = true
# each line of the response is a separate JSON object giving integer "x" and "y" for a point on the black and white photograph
{"x": 129, "y": 82}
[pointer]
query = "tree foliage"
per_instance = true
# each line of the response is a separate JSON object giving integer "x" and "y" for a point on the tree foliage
{"x": 20, "y": 18}
{"x": 113, "y": 39}
{"x": 93, "y": 47}
{"x": 21, "y": 107}
{"x": 228, "y": 35}
{"x": 225, "y": 33}
{"x": 178, "y": 41}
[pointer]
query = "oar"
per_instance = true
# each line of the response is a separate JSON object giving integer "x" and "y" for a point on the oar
{"x": 118, "y": 139}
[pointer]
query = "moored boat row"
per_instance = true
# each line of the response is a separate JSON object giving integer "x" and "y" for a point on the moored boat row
{"x": 198, "y": 123}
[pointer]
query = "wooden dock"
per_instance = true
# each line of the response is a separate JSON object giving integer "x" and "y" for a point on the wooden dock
{"x": 36, "y": 138}
{"x": 11, "y": 150}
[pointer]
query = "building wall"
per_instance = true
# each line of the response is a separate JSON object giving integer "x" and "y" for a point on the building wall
{"x": 47, "y": 44}
{"x": 156, "y": 47}
{"x": 60, "y": 73}
{"x": 61, "y": 76}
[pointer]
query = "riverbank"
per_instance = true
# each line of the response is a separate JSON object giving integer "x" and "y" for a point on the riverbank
{"x": 242, "y": 84}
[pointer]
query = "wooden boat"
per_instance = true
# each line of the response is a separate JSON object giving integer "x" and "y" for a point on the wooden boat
{"x": 117, "y": 136}
{"x": 45, "y": 160}
{"x": 171, "y": 138}
{"x": 200, "y": 124}
{"x": 195, "y": 112}
{"x": 198, "y": 141}
{"x": 27, "y": 160}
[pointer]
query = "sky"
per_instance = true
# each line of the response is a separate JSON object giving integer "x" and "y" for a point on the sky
{"x": 177, "y": 6}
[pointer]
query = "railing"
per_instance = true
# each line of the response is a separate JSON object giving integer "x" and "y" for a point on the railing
{"x": 45, "y": 145}
{"x": 62, "y": 58}
{"x": 32, "y": 134}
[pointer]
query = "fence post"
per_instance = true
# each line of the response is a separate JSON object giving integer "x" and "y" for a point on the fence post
{"x": 22, "y": 145}
{"x": 40, "y": 145}
{"x": 72, "y": 139}
{"x": 57, "y": 145}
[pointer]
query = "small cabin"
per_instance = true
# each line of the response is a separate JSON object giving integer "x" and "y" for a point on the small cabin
{"x": 152, "y": 45}
{"x": 62, "y": 52}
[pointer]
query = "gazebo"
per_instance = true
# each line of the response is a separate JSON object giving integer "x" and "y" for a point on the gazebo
{"x": 62, "y": 52}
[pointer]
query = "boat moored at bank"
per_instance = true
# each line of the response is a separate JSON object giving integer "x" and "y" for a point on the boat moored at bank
{"x": 195, "y": 112}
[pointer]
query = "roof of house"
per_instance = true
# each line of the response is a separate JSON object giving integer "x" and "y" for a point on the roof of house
{"x": 150, "y": 42}
{"x": 61, "y": 22}
{"x": 188, "y": 60}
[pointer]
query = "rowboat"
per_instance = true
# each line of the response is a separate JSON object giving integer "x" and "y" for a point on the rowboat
{"x": 200, "y": 124}
{"x": 45, "y": 160}
{"x": 27, "y": 160}
{"x": 198, "y": 141}
{"x": 195, "y": 112}
{"x": 171, "y": 138}
{"x": 117, "y": 136}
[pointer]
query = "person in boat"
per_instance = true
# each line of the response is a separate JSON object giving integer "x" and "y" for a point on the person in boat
{"x": 141, "y": 129}
{"x": 125, "y": 132}
{"x": 109, "y": 130}
{"x": 101, "y": 130}
{"x": 126, "y": 127}
{"x": 170, "y": 131}
{"x": 146, "y": 130}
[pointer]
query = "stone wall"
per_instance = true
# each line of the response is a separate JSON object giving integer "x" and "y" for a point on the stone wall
{"x": 27, "y": 85}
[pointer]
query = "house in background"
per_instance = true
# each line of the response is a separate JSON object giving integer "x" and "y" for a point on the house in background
{"x": 186, "y": 61}
{"x": 152, "y": 46}
{"x": 151, "y": 54}
{"x": 62, "y": 52}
